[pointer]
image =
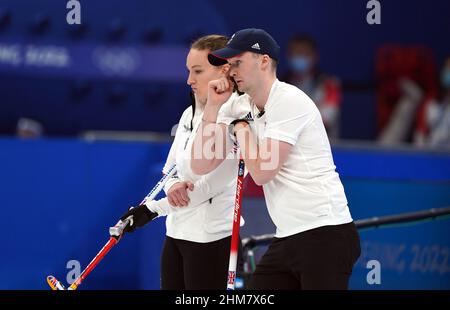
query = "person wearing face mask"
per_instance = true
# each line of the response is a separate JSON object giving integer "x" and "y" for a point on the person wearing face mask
{"x": 323, "y": 89}
{"x": 436, "y": 132}
{"x": 199, "y": 209}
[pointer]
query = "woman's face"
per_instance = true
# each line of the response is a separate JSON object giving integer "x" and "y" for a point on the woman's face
{"x": 201, "y": 72}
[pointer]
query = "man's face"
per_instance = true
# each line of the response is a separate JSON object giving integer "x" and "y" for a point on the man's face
{"x": 200, "y": 73}
{"x": 245, "y": 69}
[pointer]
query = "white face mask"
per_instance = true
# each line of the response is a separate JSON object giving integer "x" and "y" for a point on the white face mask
{"x": 300, "y": 64}
{"x": 445, "y": 78}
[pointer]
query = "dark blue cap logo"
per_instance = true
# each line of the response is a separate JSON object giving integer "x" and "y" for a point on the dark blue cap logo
{"x": 246, "y": 40}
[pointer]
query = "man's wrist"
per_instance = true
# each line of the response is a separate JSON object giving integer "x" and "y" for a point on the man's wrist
{"x": 210, "y": 113}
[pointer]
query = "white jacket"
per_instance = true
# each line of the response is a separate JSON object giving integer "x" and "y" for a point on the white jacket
{"x": 209, "y": 215}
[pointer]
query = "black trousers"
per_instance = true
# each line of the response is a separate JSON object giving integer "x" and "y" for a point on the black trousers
{"x": 318, "y": 259}
{"x": 187, "y": 265}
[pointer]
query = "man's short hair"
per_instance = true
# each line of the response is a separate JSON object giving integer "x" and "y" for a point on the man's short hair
{"x": 273, "y": 62}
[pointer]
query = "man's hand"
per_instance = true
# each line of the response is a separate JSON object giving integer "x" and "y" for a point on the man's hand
{"x": 219, "y": 91}
{"x": 177, "y": 194}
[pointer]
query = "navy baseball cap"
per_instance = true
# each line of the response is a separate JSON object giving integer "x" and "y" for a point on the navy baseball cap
{"x": 246, "y": 40}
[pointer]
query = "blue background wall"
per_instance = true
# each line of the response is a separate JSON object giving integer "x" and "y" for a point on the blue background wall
{"x": 79, "y": 95}
{"x": 58, "y": 197}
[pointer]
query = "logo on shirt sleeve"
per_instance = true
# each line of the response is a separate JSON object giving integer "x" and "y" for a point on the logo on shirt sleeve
{"x": 249, "y": 117}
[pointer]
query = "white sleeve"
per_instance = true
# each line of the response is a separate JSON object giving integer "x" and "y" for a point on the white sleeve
{"x": 225, "y": 115}
{"x": 236, "y": 107}
{"x": 289, "y": 118}
{"x": 208, "y": 186}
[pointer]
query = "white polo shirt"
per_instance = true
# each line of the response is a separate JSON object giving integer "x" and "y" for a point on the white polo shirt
{"x": 209, "y": 215}
{"x": 307, "y": 192}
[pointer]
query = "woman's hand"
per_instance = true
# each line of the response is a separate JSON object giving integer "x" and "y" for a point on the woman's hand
{"x": 177, "y": 194}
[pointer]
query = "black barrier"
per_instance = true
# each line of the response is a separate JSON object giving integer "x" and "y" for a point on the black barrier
{"x": 250, "y": 243}
{"x": 373, "y": 222}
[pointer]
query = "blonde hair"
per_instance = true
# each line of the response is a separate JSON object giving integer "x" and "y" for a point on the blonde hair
{"x": 273, "y": 62}
{"x": 210, "y": 42}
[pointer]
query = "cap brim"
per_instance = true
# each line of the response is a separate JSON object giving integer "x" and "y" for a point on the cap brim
{"x": 221, "y": 56}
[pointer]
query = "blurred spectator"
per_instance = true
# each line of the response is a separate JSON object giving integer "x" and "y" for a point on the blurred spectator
{"x": 405, "y": 81}
{"x": 403, "y": 116}
{"x": 28, "y": 128}
{"x": 435, "y": 131}
{"x": 323, "y": 89}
